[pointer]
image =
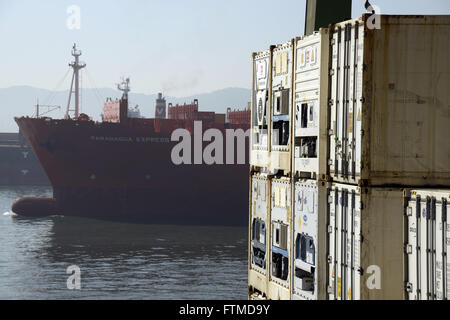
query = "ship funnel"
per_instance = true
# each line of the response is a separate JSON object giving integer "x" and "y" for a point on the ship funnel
{"x": 160, "y": 107}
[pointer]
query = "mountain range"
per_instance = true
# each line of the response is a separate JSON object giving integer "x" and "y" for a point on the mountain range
{"x": 22, "y": 100}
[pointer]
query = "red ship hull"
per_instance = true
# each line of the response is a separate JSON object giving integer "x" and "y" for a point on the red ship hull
{"x": 125, "y": 172}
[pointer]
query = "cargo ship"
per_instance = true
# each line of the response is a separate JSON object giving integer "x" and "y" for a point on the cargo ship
{"x": 122, "y": 168}
{"x": 18, "y": 163}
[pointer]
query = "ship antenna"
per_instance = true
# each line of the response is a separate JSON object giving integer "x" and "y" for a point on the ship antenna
{"x": 124, "y": 86}
{"x": 76, "y": 65}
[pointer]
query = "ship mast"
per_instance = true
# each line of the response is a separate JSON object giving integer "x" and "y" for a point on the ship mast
{"x": 124, "y": 87}
{"x": 76, "y": 66}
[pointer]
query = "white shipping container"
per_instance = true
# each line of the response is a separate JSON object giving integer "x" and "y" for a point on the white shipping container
{"x": 260, "y": 121}
{"x": 427, "y": 245}
{"x": 311, "y": 105}
{"x": 280, "y": 239}
{"x": 259, "y": 228}
{"x": 389, "y": 98}
{"x": 365, "y": 243}
{"x": 310, "y": 240}
{"x": 259, "y": 222}
{"x": 281, "y": 95}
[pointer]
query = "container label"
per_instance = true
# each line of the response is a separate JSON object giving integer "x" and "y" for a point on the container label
{"x": 302, "y": 58}
{"x": 261, "y": 67}
{"x": 307, "y": 56}
{"x": 281, "y": 63}
{"x": 339, "y": 287}
{"x": 350, "y": 122}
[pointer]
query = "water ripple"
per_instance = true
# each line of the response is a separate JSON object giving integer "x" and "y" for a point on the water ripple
{"x": 117, "y": 260}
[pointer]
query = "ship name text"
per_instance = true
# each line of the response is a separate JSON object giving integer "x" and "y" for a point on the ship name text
{"x": 131, "y": 139}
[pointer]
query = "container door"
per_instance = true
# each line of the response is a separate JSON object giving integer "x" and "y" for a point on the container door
{"x": 431, "y": 252}
{"x": 427, "y": 249}
{"x": 346, "y": 95}
{"x": 343, "y": 258}
{"x": 426, "y": 253}
{"x": 446, "y": 249}
{"x": 423, "y": 256}
{"x": 439, "y": 275}
{"x": 332, "y": 240}
{"x": 338, "y": 246}
{"x": 335, "y": 101}
{"x": 355, "y": 238}
{"x": 352, "y": 246}
{"x": 413, "y": 249}
{"x": 344, "y": 244}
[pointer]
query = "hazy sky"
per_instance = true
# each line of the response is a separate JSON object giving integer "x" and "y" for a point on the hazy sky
{"x": 181, "y": 47}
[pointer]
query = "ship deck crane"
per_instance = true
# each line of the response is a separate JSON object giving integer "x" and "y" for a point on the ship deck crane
{"x": 49, "y": 107}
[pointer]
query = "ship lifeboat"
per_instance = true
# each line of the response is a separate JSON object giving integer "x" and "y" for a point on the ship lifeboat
{"x": 35, "y": 207}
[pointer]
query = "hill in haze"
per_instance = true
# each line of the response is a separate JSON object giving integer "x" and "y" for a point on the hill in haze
{"x": 21, "y": 101}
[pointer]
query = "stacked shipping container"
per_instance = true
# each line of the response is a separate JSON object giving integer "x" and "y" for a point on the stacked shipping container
{"x": 271, "y": 158}
{"x": 310, "y": 176}
{"x": 368, "y": 119}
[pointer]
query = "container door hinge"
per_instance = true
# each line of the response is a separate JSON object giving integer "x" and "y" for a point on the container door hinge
{"x": 409, "y": 211}
{"x": 408, "y": 287}
{"x": 331, "y": 72}
{"x": 330, "y": 229}
{"x": 330, "y": 102}
{"x": 408, "y": 249}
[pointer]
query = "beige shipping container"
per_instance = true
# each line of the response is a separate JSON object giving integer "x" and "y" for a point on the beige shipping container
{"x": 427, "y": 244}
{"x": 311, "y": 106}
{"x": 280, "y": 239}
{"x": 260, "y": 109}
{"x": 390, "y": 101}
{"x": 258, "y": 235}
{"x": 365, "y": 243}
{"x": 281, "y": 102}
{"x": 309, "y": 267}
